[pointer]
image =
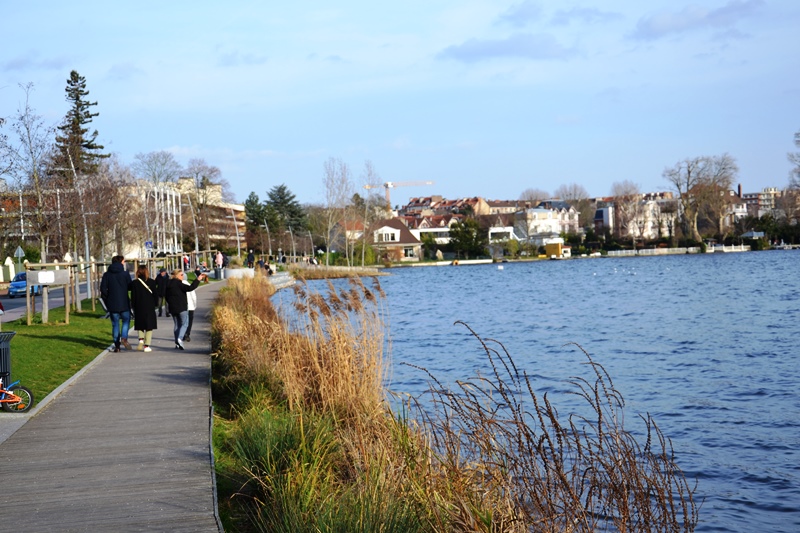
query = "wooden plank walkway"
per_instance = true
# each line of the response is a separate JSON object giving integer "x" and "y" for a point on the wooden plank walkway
{"x": 125, "y": 447}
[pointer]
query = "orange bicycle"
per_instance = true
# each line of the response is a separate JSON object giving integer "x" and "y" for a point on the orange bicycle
{"x": 15, "y": 398}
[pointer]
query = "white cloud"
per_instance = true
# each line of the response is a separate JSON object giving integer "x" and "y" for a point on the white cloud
{"x": 520, "y": 45}
{"x": 693, "y": 18}
{"x": 522, "y": 14}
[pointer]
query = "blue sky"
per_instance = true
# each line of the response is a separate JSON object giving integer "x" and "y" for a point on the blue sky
{"x": 485, "y": 98}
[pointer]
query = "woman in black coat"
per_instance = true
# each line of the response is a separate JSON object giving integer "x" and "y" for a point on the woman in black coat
{"x": 144, "y": 299}
{"x": 178, "y": 305}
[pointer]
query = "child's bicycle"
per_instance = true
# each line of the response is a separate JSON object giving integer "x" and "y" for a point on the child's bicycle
{"x": 15, "y": 398}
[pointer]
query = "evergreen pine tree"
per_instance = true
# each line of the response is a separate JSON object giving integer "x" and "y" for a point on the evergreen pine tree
{"x": 74, "y": 139}
{"x": 286, "y": 207}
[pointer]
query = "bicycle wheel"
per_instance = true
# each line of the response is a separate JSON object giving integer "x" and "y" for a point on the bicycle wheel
{"x": 25, "y": 403}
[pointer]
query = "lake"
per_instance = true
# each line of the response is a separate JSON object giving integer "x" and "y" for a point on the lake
{"x": 707, "y": 344}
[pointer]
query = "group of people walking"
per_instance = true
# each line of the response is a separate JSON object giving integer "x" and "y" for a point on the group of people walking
{"x": 174, "y": 293}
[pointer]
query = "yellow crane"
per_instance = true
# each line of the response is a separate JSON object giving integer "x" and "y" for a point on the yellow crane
{"x": 392, "y": 184}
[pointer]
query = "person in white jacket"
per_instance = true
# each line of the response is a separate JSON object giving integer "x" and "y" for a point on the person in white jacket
{"x": 191, "y": 301}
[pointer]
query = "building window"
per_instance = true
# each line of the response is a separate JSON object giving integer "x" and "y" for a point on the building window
{"x": 408, "y": 251}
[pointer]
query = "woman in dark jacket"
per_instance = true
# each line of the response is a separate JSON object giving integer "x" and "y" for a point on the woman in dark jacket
{"x": 178, "y": 305}
{"x": 144, "y": 299}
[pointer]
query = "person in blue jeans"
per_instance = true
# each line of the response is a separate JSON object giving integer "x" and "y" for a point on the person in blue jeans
{"x": 178, "y": 304}
{"x": 114, "y": 289}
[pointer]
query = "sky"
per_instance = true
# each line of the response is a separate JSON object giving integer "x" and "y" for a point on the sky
{"x": 482, "y": 97}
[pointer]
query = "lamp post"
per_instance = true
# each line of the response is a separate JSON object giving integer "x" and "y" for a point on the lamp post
{"x": 194, "y": 223}
{"x": 294, "y": 251}
{"x": 236, "y": 227}
{"x": 269, "y": 238}
{"x": 85, "y": 227}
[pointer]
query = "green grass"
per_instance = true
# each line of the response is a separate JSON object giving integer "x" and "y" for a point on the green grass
{"x": 43, "y": 356}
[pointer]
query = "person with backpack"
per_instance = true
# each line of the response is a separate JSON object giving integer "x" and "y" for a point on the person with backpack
{"x": 114, "y": 290}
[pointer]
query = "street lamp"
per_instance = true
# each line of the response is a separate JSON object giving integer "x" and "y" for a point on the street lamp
{"x": 294, "y": 252}
{"x": 236, "y": 227}
{"x": 269, "y": 238}
{"x": 194, "y": 223}
{"x": 85, "y": 227}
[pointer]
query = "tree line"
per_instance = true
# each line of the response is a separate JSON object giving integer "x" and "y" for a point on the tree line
{"x": 67, "y": 194}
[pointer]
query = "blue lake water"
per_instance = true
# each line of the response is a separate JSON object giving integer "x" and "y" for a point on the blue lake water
{"x": 707, "y": 344}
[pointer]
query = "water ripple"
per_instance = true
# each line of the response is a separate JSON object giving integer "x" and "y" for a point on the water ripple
{"x": 707, "y": 344}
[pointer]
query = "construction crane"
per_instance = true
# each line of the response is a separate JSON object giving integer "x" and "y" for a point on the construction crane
{"x": 392, "y": 184}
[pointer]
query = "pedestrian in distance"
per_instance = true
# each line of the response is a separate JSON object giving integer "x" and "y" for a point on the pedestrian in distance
{"x": 114, "y": 288}
{"x": 251, "y": 258}
{"x": 191, "y": 302}
{"x": 144, "y": 300}
{"x": 161, "y": 290}
{"x": 218, "y": 260}
{"x": 178, "y": 304}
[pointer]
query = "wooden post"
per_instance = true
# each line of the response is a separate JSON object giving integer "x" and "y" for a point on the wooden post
{"x": 28, "y": 305}
{"x": 45, "y": 304}
{"x": 66, "y": 303}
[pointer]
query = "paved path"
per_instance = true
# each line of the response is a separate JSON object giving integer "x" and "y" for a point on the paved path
{"x": 124, "y": 446}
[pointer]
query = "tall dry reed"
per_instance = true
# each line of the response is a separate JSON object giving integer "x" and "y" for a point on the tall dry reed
{"x": 327, "y": 354}
{"x": 488, "y": 455}
{"x": 507, "y": 461}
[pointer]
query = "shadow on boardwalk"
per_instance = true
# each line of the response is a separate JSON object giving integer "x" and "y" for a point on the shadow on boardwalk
{"x": 124, "y": 446}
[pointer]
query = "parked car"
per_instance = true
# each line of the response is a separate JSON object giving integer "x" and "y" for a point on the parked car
{"x": 18, "y": 285}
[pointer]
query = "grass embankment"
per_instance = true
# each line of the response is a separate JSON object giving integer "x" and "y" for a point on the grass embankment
{"x": 306, "y": 441}
{"x": 43, "y": 356}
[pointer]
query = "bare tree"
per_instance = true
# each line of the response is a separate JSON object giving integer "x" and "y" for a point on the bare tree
{"x": 715, "y": 192}
{"x": 157, "y": 168}
{"x": 534, "y": 196}
{"x": 667, "y": 211}
{"x": 338, "y": 190}
{"x": 26, "y": 160}
{"x": 790, "y": 200}
{"x": 370, "y": 180}
{"x": 115, "y": 218}
{"x": 627, "y": 199}
{"x": 696, "y": 180}
{"x": 577, "y": 196}
{"x": 206, "y": 180}
{"x": 794, "y": 159}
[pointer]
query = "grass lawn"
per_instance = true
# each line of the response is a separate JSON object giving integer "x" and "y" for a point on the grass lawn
{"x": 43, "y": 356}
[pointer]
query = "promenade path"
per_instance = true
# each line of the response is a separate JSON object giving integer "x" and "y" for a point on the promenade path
{"x": 123, "y": 446}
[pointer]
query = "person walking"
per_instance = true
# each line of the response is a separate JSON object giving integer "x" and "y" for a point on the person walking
{"x": 218, "y": 260}
{"x": 161, "y": 290}
{"x": 178, "y": 304}
{"x": 114, "y": 289}
{"x": 144, "y": 299}
{"x": 191, "y": 305}
{"x": 251, "y": 258}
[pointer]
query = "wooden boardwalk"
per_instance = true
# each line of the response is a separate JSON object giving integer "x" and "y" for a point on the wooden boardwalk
{"x": 125, "y": 447}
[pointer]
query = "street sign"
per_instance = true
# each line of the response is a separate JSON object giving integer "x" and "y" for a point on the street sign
{"x": 148, "y": 245}
{"x": 19, "y": 253}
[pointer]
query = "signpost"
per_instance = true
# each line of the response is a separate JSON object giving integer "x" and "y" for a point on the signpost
{"x": 19, "y": 253}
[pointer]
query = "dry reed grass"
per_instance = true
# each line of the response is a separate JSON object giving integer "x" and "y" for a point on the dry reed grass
{"x": 506, "y": 461}
{"x": 489, "y": 455}
{"x": 325, "y": 359}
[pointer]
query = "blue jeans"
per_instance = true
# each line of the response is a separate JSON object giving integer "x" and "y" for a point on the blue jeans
{"x": 125, "y": 317}
{"x": 181, "y": 322}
